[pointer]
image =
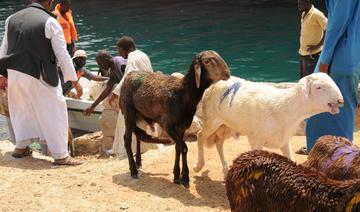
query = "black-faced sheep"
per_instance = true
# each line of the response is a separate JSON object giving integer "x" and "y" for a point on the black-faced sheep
{"x": 268, "y": 115}
{"x": 336, "y": 157}
{"x": 263, "y": 181}
{"x": 169, "y": 101}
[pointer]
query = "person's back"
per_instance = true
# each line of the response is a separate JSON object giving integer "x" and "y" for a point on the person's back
{"x": 26, "y": 54}
{"x": 138, "y": 61}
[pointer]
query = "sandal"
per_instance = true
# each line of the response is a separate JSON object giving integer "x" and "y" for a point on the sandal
{"x": 302, "y": 151}
{"x": 27, "y": 152}
{"x": 68, "y": 161}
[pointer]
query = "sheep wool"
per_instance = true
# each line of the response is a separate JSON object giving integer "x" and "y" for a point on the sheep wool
{"x": 263, "y": 112}
{"x": 169, "y": 101}
{"x": 336, "y": 157}
{"x": 263, "y": 181}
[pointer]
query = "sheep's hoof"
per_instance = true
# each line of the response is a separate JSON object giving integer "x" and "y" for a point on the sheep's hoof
{"x": 197, "y": 168}
{"x": 177, "y": 181}
{"x": 135, "y": 176}
{"x": 185, "y": 184}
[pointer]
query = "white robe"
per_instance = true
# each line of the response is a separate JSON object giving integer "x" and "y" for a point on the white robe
{"x": 37, "y": 110}
{"x": 137, "y": 61}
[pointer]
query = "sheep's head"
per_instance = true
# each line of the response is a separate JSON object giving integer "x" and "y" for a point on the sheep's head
{"x": 214, "y": 65}
{"x": 323, "y": 93}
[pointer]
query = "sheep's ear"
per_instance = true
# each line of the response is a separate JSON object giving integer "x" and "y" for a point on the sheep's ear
{"x": 197, "y": 74}
{"x": 308, "y": 84}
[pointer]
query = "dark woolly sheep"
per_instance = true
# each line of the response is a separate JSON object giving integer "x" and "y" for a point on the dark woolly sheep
{"x": 336, "y": 157}
{"x": 263, "y": 181}
{"x": 169, "y": 101}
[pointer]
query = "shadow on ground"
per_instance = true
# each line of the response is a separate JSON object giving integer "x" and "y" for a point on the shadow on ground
{"x": 6, "y": 160}
{"x": 212, "y": 193}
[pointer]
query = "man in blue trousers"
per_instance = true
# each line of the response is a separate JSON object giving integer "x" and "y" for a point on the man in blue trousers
{"x": 340, "y": 58}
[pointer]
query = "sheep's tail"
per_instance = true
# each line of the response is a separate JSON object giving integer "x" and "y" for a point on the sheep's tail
{"x": 144, "y": 137}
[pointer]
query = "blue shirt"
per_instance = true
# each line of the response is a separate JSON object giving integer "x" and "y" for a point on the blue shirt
{"x": 342, "y": 41}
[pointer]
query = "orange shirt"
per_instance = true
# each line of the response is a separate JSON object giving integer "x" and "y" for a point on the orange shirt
{"x": 67, "y": 25}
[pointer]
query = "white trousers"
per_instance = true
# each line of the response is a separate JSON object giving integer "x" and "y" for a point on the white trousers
{"x": 38, "y": 111}
{"x": 118, "y": 145}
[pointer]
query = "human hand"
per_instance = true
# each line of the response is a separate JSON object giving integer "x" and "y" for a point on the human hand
{"x": 311, "y": 48}
{"x": 112, "y": 98}
{"x": 3, "y": 83}
{"x": 88, "y": 111}
{"x": 78, "y": 88}
{"x": 324, "y": 68}
{"x": 73, "y": 47}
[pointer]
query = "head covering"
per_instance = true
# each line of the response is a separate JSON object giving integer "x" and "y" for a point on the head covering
{"x": 79, "y": 53}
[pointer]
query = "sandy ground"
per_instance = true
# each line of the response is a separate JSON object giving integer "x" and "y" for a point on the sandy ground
{"x": 33, "y": 184}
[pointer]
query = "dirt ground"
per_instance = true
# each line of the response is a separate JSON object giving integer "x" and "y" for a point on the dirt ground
{"x": 33, "y": 184}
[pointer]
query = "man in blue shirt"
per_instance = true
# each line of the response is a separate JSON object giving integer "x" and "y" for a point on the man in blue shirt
{"x": 340, "y": 58}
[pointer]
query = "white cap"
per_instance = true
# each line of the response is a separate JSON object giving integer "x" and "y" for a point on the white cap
{"x": 79, "y": 53}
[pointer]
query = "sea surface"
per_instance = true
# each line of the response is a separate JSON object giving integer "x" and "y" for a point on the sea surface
{"x": 258, "y": 41}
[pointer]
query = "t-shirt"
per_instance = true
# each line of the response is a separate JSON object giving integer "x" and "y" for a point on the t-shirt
{"x": 120, "y": 65}
{"x": 137, "y": 61}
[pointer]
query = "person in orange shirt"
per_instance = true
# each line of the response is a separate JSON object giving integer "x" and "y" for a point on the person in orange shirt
{"x": 64, "y": 16}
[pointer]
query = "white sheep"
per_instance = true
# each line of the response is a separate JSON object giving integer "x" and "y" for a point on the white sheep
{"x": 268, "y": 115}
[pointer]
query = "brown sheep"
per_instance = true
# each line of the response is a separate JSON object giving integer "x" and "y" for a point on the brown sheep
{"x": 263, "y": 181}
{"x": 336, "y": 157}
{"x": 169, "y": 101}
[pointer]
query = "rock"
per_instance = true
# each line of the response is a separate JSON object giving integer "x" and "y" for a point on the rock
{"x": 108, "y": 121}
{"x": 88, "y": 144}
{"x": 93, "y": 184}
{"x": 124, "y": 206}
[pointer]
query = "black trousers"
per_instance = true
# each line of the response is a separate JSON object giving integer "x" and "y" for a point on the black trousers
{"x": 308, "y": 64}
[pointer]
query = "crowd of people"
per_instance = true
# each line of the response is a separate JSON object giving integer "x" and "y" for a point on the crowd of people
{"x": 39, "y": 50}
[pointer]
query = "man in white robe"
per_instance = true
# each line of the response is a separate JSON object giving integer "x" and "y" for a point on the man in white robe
{"x": 36, "y": 105}
{"x": 136, "y": 61}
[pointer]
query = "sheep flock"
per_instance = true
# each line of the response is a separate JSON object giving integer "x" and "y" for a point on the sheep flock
{"x": 268, "y": 115}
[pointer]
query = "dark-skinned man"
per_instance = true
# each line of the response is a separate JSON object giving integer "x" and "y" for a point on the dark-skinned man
{"x": 313, "y": 27}
{"x": 64, "y": 16}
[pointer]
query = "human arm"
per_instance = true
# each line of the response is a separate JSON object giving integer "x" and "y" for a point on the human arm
{"x": 78, "y": 88}
{"x": 54, "y": 32}
{"x": 340, "y": 16}
{"x": 103, "y": 95}
{"x": 90, "y": 76}
{"x": 99, "y": 78}
{"x": 316, "y": 46}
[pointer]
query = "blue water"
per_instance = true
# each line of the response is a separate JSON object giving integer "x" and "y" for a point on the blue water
{"x": 259, "y": 43}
